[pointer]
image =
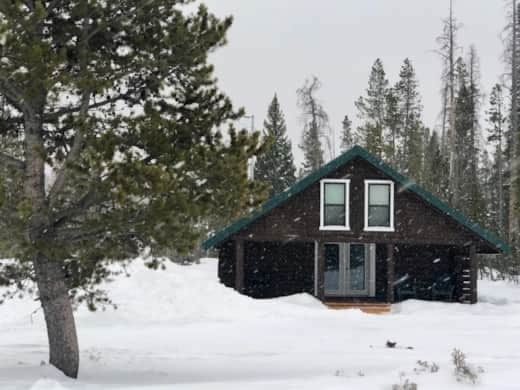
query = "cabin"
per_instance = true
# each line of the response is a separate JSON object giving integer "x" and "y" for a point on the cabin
{"x": 355, "y": 233}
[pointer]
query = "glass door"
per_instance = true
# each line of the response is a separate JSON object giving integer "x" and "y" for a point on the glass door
{"x": 334, "y": 284}
{"x": 357, "y": 270}
{"x": 346, "y": 269}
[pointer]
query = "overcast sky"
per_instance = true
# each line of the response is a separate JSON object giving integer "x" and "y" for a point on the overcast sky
{"x": 274, "y": 45}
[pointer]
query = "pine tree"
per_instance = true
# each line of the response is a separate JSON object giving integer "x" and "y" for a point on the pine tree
{"x": 476, "y": 196}
{"x": 512, "y": 56}
{"x": 497, "y": 119}
{"x": 410, "y": 154}
{"x": 316, "y": 122}
{"x": 392, "y": 135}
{"x": 469, "y": 198}
{"x": 371, "y": 110}
{"x": 347, "y": 138}
{"x": 435, "y": 168}
{"x": 117, "y": 99}
{"x": 276, "y": 166}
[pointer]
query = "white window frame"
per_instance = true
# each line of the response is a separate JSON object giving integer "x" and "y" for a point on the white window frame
{"x": 390, "y": 228}
{"x": 346, "y": 226}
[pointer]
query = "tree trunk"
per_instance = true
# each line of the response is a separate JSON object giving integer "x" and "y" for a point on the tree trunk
{"x": 50, "y": 278}
{"x": 59, "y": 318}
{"x": 454, "y": 174}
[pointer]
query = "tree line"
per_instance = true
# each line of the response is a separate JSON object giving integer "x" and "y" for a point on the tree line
{"x": 468, "y": 159}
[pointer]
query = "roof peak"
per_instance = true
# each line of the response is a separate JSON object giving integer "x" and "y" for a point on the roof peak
{"x": 345, "y": 157}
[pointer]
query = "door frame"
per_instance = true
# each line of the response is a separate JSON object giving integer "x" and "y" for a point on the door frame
{"x": 344, "y": 289}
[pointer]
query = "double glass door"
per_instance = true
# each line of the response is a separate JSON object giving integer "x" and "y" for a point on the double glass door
{"x": 347, "y": 269}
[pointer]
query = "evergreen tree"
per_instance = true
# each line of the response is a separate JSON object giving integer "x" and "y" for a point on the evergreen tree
{"x": 435, "y": 168}
{"x": 316, "y": 122}
{"x": 392, "y": 135}
{"x": 347, "y": 138}
{"x": 512, "y": 57}
{"x": 497, "y": 118}
{"x": 371, "y": 110}
{"x": 410, "y": 153}
{"x": 474, "y": 152}
{"x": 117, "y": 99}
{"x": 276, "y": 165}
{"x": 469, "y": 196}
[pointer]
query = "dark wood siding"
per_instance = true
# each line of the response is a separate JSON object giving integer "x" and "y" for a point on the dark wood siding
{"x": 427, "y": 264}
{"x": 381, "y": 272}
{"x": 274, "y": 269}
{"x": 226, "y": 264}
{"x": 415, "y": 221}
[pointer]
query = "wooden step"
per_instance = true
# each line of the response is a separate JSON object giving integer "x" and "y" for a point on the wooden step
{"x": 370, "y": 308}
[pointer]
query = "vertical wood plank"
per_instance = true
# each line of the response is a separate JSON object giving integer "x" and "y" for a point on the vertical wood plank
{"x": 390, "y": 264}
{"x": 321, "y": 270}
{"x": 474, "y": 272}
{"x": 239, "y": 266}
{"x": 316, "y": 272}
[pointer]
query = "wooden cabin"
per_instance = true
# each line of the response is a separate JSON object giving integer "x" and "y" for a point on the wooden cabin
{"x": 355, "y": 232}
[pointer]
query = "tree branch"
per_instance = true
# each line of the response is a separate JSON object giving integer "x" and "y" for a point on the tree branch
{"x": 79, "y": 137}
{"x": 75, "y": 151}
{"x": 11, "y": 162}
{"x": 13, "y": 97}
{"x": 53, "y": 116}
{"x": 89, "y": 200}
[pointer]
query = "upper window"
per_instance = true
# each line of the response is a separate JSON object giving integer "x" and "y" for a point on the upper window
{"x": 379, "y": 205}
{"x": 334, "y": 204}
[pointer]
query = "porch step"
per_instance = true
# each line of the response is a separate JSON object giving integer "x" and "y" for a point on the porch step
{"x": 370, "y": 308}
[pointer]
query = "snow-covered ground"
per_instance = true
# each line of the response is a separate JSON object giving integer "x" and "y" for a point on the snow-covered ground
{"x": 180, "y": 329}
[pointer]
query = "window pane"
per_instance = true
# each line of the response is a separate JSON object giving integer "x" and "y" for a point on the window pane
{"x": 331, "y": 267}
{"x": 334, "y": 193}
{"x": 379, "y": 194}
{"x": 379, "y": 216}
{"x": 357, "y": 267}
{"x": 334, "y": 215}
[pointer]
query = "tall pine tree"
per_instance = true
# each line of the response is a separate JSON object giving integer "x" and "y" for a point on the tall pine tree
{"x": 410, "y": 152}
{"x": 512, "y": 57}
{"x": 497, "y": 117}
{"x": 276, "y": 165}
{"x": 371, "y": 110}
{"x": 392, "y": 133}
{"x": 469, "y": 197}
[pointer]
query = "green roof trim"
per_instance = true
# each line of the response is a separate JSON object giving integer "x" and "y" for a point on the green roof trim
{"x": 357, "y": 151}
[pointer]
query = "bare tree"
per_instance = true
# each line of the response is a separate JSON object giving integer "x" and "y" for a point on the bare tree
{"x": 316, "y": 124}
{"x": 448, "y": 51}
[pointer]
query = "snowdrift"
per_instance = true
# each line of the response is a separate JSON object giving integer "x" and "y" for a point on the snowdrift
{"x": 180, "y": 328}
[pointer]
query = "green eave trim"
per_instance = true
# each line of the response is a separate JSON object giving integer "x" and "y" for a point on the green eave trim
{"x": 357, "y": 151}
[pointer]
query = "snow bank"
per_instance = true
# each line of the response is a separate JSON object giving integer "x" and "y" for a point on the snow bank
{"x": 180, "y": 328}
{"x": 184, "y": 293}
{"x": 47, "y": 384}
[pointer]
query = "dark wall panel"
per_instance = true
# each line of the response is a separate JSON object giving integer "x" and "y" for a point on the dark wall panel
{"x": 428, "y": 264}
{"x": 416, "y": 222}
{"x": 226, "y": 264}
{"x": 381, "y": 272}
{"x": 274, "y": 269}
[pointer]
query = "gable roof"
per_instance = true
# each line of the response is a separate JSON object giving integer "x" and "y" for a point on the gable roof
{"x": 357, "y": 151}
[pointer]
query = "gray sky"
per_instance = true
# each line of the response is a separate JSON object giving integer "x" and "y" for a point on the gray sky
{"x": 274, "y": 45}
